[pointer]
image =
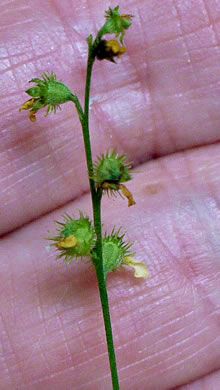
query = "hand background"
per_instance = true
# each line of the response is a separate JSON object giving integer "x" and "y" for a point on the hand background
{"x": 161, "y": 106}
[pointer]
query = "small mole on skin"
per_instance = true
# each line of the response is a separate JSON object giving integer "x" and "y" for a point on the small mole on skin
{"x": 153, "y": 189}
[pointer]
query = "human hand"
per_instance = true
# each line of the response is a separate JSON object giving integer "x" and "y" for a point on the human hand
{"x": 160, "y": 106}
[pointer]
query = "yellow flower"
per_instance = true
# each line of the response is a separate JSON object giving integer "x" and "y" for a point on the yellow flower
{"x": 115, "y": 48}
{"x": 107, "y": 50}
{"x": 141, "y": 270}
{"x": 27, "y": 106}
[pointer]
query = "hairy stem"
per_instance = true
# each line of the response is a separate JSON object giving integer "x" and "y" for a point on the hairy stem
{"x": 96, "y": 203}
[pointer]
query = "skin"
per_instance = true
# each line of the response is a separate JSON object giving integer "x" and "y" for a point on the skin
{"x": 160, "y": 106}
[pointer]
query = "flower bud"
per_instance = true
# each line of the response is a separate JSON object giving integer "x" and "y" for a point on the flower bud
{"x": 115, "y": 23}
{"x": 47, "y": 92}
{"x": 75, "y": 238}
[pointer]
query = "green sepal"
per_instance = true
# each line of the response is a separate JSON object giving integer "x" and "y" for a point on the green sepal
{"x": 58, "y": 93}
{"x": 37, "y": 81}
{"x": 34, "y": 92}
{"x": 115, "y": 24}
{"x": 90, "y": 40}
{"x": 112, "y": 168}
{"x": 82, "y": 230}
{"x": 38, "y": 105}
{"x": 115, "y": 249}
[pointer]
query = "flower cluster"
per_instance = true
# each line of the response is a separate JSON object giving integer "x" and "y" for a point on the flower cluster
{"x": 76, "y": 238}
{"x": 115, "y": 24}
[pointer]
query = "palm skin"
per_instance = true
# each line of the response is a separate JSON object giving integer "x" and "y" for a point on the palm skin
{"x": 160, "y": 106}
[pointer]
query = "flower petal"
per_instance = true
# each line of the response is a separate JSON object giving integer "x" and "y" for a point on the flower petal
{"x": 27, "y": 105}
{"x": 127, "y": 194}
{"x": 141, "y": 270}
{"x": 32, "y": 116}
{"x": 114, "y": 48}
{"x": 68, "y": 242}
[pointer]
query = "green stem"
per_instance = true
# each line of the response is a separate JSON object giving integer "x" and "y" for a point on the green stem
{"x": 78, "y": 107}
{"x": 86, "y": 134}
{"x": 108, "y": 328}
{"x": 104, "y": 294}
{"x": 96, "y": 203}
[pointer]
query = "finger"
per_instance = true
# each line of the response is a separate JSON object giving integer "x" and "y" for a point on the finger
{"x": 211, "y": 381}
{"x": 166, "y": 88}
{"x": 162, "y": 326}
